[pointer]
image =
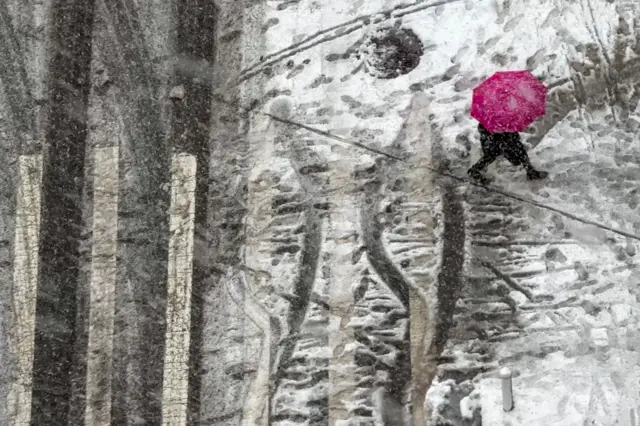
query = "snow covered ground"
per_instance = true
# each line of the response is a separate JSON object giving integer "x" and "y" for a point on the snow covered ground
{"x": 574, "y": 346}
{"x": 333, "y": 285}
{"x": 552, "y": 298}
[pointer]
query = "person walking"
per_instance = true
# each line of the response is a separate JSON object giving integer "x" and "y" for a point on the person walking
{"x": 505, "y": 104}
{"x": 509, "y": 145}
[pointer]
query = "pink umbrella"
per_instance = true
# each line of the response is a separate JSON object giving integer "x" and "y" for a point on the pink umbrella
{"x": 509, "y": 101}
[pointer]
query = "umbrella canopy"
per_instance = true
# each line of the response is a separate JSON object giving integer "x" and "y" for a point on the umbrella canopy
{"x": 509, "y": 101}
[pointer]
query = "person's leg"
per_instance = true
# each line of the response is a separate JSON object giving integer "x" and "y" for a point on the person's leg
{"x": 490, "y": 152}
{"x": 517, "y": 155}
{"x": 532, "y": 172}
{"x": 475, "y": 172}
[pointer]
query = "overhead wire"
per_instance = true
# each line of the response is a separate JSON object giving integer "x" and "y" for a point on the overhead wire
{"x": 434, "y": 170}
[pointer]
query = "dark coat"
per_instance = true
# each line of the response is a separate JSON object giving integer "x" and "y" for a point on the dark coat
{"x": 507, "y": 144}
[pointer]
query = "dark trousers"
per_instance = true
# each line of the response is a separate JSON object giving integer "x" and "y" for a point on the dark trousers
{"x": 507, "y": 144}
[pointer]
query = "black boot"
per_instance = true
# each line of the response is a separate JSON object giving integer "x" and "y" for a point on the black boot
{"x": 533, "y": 174}
{"x": 475, "y": 174}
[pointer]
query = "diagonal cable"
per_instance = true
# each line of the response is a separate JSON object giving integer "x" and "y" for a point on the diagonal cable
{"x": 435, "y": 170}
{"x": 463, "y": 180}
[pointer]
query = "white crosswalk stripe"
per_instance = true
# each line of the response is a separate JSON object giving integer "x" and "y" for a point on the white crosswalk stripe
{"x": 25, "y": 282}
{"x": 102, "y": 288}
{"x": 176, "y": 364}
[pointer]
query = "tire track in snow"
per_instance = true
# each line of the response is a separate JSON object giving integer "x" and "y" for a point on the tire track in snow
{"x": 191, "y": 127}
{"x": 56, "y": 352}
{"x": 302, "y": 158}
{"x": 595, "y": 30}
{"x": 13, "y": 74}
{"x": 126, "y": 67}
{"x": 400, "y": 375}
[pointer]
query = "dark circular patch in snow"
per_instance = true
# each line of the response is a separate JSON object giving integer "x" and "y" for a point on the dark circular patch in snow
{"x": 392, "y": 52}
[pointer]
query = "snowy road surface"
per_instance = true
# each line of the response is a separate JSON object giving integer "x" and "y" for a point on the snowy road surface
{"x": 573, "y": 345}
{"x": 513, "y": 284}
{"x": 167, "y": 259}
